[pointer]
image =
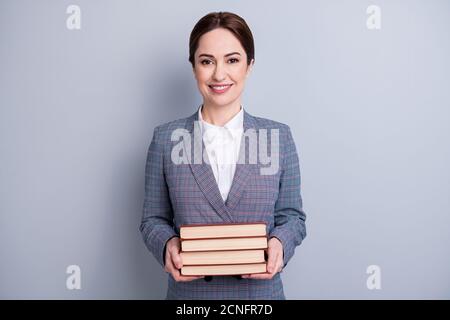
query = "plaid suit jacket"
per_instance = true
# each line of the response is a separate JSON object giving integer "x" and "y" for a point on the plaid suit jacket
{"x": 187, "y": 193}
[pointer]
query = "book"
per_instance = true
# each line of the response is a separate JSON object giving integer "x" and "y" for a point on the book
{"x": 223, "y": 249}
{"x": 216, "y": 270}
{"x": 222, "y": 257}
{"x": 228, "y": 230}
{"x": 224, "y": 244}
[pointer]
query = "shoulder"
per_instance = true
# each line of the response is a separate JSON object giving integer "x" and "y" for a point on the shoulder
{"x": 285, "y": 138}
{"x": 163, "y": 131}
{"x": 269, "y": 124}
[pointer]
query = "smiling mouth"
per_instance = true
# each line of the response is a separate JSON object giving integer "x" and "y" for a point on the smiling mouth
{"x": 222, "y": 88}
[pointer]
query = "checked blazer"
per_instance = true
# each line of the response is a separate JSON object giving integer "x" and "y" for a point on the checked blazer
{"x": 187, "y": 193}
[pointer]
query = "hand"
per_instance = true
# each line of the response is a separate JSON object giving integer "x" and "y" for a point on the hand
{"x": 173, "y": 262}
{"x": 275, "y": 261}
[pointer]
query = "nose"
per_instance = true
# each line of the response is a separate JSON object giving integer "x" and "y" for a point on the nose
{"x": 219, "y": 72}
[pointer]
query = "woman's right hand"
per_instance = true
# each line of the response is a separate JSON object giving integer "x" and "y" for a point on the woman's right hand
{"x": 173, "y": 262}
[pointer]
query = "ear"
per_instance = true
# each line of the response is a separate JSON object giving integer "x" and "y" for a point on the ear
{"x": 250, "y": 67}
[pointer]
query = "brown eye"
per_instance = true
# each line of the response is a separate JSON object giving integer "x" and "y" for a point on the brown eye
{"x": 233, "y": 60}
{"x": 206, "y": 62}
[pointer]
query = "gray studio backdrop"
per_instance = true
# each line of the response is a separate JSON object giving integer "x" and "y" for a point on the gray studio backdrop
{"x": 368, "y": 108}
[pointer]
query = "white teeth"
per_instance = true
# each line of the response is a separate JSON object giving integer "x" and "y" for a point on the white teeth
{"x": 220, "y": 87}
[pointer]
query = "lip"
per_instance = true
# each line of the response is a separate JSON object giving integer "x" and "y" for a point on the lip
{"x": 225, "y": 87}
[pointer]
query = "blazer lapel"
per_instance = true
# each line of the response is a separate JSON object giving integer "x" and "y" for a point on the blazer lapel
{"x": 204, "y": 175}
{"x": 202, "y": 171}
{"x": 245, "y": 170}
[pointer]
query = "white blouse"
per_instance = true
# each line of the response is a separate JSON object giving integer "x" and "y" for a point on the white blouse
{"x": 222, "y": 146}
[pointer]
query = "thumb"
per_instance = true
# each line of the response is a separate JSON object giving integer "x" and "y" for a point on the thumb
{"x": 176, "y": 258}
{"x": 271, "y": 260}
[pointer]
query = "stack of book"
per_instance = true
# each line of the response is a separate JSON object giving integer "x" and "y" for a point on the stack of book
{"x": 223, "y": 249}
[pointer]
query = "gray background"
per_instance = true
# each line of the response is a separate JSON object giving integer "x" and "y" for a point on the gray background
{"x": 369, "y": 110}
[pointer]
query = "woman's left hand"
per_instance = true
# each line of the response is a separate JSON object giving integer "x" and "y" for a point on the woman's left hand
{"x": 275, "y": 261}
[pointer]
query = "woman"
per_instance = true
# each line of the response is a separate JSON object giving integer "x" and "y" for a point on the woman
{"x": 180, "y": 188}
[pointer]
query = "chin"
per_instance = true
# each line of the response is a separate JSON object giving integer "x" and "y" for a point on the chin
{"x": 222, "y": 101}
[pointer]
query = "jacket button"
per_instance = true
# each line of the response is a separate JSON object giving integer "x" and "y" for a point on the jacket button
{"x": 208, "y": 278}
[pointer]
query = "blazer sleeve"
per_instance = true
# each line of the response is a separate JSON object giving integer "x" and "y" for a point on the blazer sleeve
{"x": 290, "y": 218}
{"x": 157, "y": 217}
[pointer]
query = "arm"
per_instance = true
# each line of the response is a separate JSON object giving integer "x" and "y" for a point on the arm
{"x": 156, "y": 225}
{"x": 290, "y": 218}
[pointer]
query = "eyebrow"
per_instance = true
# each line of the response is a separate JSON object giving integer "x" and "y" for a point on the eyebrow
{"x": 211, "y": 56}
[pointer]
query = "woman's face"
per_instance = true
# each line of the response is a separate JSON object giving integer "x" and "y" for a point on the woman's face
{"x": 220, "y": 67}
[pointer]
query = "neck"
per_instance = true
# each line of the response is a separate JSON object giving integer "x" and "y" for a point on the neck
{"x": 219, "y": 115}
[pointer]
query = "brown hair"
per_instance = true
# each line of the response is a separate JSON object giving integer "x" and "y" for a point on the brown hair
{"x": 226, "y": 20}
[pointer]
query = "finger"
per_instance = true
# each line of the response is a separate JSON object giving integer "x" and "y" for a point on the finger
{"x": 176, "y": 258}
{"x": 180, "y": 278}
{"x": 281, "y": 265}
{"x": 169, "y": 267}
{"x": 174, "y": 247}
{"x": 173, "y": 269}
{"x": 266, "y": 275}
{"x": 190, "y": 278}
{"x": 271, "y": 262}
{"x": 259, "y": 276}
